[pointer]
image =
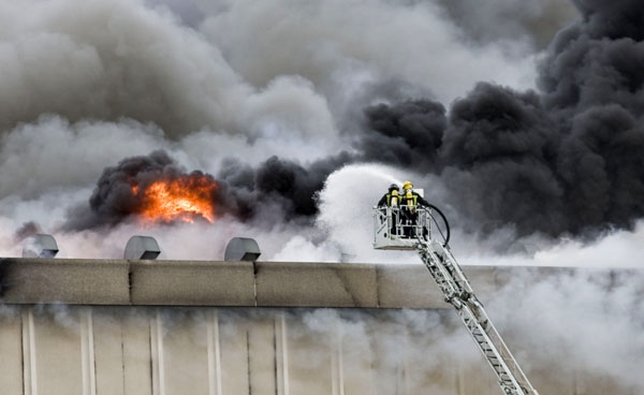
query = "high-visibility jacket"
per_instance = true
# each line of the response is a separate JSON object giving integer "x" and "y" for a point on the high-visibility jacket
{"x": 411, "y": 199}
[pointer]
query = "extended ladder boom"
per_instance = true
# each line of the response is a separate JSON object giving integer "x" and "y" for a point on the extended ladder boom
{"x": 458, "y": 292}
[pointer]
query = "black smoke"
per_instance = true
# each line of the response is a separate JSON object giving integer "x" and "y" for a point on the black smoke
{"x": 566, "y": 159}
{"x": 563, "y": 159}
{"x": 277, "y": 189}
{"x": 408, "y": 134}
{"x": 498, "y": 159}
{"x": 114, "y": 200}
{"x": 592, "y": 87}
{"x": 285, "y": 189}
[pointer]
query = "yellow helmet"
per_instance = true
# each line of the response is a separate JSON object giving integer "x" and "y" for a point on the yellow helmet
{"x": 407, "y": 185}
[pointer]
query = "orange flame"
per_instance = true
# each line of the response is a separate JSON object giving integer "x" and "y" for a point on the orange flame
{"x": 183, "y": 199}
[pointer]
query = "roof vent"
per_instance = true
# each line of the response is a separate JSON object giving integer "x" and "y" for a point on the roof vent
{"x": 242, "y": 249}
{"x": 40, "y": 246}
{"x": 141, "y": 247}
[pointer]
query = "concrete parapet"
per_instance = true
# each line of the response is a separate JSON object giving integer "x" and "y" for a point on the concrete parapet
{"x": 199, "y": 283}
{"x": 407, "y": 286}
{"x": 69, "y": 281}
{"x": 316, "y": 284}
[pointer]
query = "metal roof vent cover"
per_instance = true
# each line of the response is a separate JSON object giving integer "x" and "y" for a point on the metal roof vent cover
{"x": 40, "y": 246}
{"x": 242, "y": 249}
{"x": 141, "y": 247}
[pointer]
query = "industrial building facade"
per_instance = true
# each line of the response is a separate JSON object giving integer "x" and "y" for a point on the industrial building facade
{"x": 127, "y": 327}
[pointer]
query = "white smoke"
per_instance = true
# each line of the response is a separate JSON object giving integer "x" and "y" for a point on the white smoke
{"x": 413, "y": 41}
{"x": 346, "y": 204}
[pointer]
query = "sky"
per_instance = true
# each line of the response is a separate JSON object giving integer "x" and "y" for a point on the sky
{"x": 520, "y": 121}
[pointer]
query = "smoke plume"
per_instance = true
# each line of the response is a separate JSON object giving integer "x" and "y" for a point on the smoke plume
{"x": 270, "y": 116}
{"x": 562, "y": 159}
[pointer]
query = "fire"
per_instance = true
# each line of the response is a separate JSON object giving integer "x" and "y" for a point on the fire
{"x": 184, "y": 199}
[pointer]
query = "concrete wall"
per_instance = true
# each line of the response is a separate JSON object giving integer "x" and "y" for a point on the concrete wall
{"x": 118, "y": 350}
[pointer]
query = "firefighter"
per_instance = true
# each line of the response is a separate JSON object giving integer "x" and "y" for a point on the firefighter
{"x": 391, "y": 199}
{"x": 409, "y": 201}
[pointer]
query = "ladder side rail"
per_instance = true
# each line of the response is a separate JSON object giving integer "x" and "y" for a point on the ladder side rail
{"x": 477, "y": 308}
{"x": 452, "y": 290}
{"x": 494, "y": 357}
{"x": 495, "y": 338}
{"x": 447, "y": 260}
{"x": 458, "y": 291}
{"x": 459, "y": 274}
{"x": 441, "y": 275}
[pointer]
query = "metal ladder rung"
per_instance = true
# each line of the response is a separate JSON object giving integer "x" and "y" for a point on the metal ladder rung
{"x": 455, "y": 286}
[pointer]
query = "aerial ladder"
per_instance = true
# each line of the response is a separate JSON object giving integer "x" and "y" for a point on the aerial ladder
{"x": 393, "y": 230}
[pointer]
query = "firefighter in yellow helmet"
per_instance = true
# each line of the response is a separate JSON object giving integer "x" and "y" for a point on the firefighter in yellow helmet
{"x": 391, "y": 199}
{"x": 409, "y": 201}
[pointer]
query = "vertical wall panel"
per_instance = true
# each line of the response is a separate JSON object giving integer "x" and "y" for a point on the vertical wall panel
{"x": 213, "y": 342}
{"x": 29, "y": 371}
{"x": 353, "y": 356}
{"x": 157, "y": 354}
{"x": 281, "y": 355}
{"x": 588, "y": 382}
{"x": 310, "y": 350}
{"x": 107, "y": 325}
{"x": 185, "y": 348}
{"x": 135, "y": 334}
{"x": 88, "y": 358}
{"x": 262, "y": 356}
{"x": 11, "y": 352}
{"x": 233, "y": 333}
{"x": 477, "y": 378}
{"x": 558, "y": 378}
{"x": 58, "y": 357}
{"x": 63, "y": 350}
